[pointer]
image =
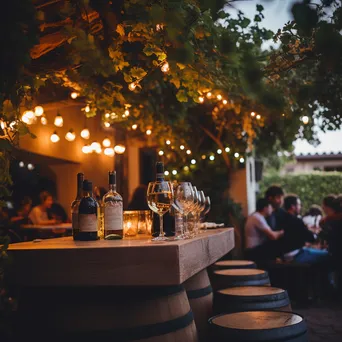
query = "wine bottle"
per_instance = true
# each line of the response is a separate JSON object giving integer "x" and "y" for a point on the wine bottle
{"x": 75, "y": 204}
{"x": 113, "y": 209}
{"x": 88, "y": 212}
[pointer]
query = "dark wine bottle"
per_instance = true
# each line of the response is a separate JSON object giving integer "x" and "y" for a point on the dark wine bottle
{"x": 88, "y": 214}
{"x": 75, "y": 205}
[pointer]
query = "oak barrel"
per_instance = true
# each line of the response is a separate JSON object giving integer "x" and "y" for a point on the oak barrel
{"x": 200, "y": 295}
{"x": 152, "y": 314}
{"x": 240, "y": 277}
{"x": 272, "y": 326}
{"x": 229, "y": 264}
{"x": 251, "y": 298}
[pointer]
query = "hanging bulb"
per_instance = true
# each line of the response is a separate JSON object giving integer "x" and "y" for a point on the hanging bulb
{"x": 58, "y": 120}
{"x": 258, "y": 117}
{"x": 252, "y": 114}
{"x": 305, "y": 119}
{"x": 87, "y": 108}
{"x": 201, "y": 99}
{"x": 54, "y": 137}
{"x": 43, "y": 120}
{"x": 209, "y": 95}
{"x": 204, "y": 156}
{"x": 38, "y": 111}
{"x": 227, "y": 149}
{"x": 70, "y": 136}
{"x": 30, "y": 166}
{"x": 168, "y": 142}
{"x": 166, "y": 173}
{"x": 148, "y": 132}
{"x": 193, "y": 161}
{"x": 236, "y": 155}
{"x": 219, "y": 97}
{"x": 127, "y": 112}
{"x": 241, "y": 160}
{"x": 165, "y": 67}
{"x": 224, "y": 102}
{"x": 86, "y": 149}
{"x": 132, "y": 86}
{"x": 219, "y": 151}
{"x": 119, "y": 149}
{"x": 161, "y": 153}
{"x": 212, "y": 158}
{"x": 106, "y": 142}
{"x": 188, "y": 151}
{"x": 21, "y": 164}
{"x": 182, "y": 147}
{"x": 174, "y": 172}
{"x": 109, "y": 151}
{"x": 186, "y": 168}
{"x": 106, "y": 124}
{"x": 95, "y": 145}
{"x": 74, "y": 95}
{"x": 134, "y": 127}
{"x": 98, "y": 150}
{"x": 85, "y": 134}
{"x": 28, "y": 117}
{"x": 107, "y": 115}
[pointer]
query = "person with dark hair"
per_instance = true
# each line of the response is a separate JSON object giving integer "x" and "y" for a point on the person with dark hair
{"x": 313, "y": 217}
{"x": 296, "y": 234}
{"x": 257, "y": 231}
{"x": 139, "y": 201}
{"x": 22, "y": 213}
{"x": 275, "y": 195}
{"x": 39, "y": 214}
{"x": 330, "y": 205}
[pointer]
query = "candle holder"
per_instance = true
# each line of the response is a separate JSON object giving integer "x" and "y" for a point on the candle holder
{"x": 145, "y": 222}
{"x": 130, "y": 223}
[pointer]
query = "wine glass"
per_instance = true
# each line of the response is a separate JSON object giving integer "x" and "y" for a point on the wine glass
{"x": 202, "y": 207}
{"x": 184, "y": 197}
{"x": 159, "y": 199}
{"x": 196, "y": 209}
{"x": 207, "y": 206}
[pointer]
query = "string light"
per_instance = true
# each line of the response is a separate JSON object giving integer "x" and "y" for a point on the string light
{"x": 70, "y": 136}
{"x": 85, "y": 134}
{"x": 127, "y": 112}
{"x": 132, "y": 86}
{"x": 252, "y": 114}
{"x": 54, "y": 137}
{"x": 98, "y": 150}
{"x": 236, "y": 155}
{"x": 21, "y": 164}
{"x": 258, "y": 117}
{"x": 219, "y": 151}
{"x": 193, "y": 161}
{"x": 43, "y": 120}
{"x": 305, "y": 119}
{"x": 204, "y": 156}
{"x": 106, "y": 124}
{"x": 74, "y": 95}
{"x": 28, "y": 117}
{"x": 119, "y": 149}
{"x": 182, "y": 147}
{"x": 161, "y": 153}
{"x": 165, "y": 67}
{"x": 227, "y": 149}
{"x": 224, "y": 102}
{"x": 166, "y": 173}
{"x": 95, "y": 145}
{"x": 219, "y": 97}
{"x": 113, "y": 115}
{"x": 188, "y": 151}
{"x": 283, "y": 114}
{"x": 186, "y": 168}
{"x": 134, "y": 127}
{"x": 201, "y": 99}
{"x": 168, "y": 142}
{"x": 242, "y": 160}
{"x": 106, "y": 142}
{"x": 174, "y": 172}
{"x": 209, "y": 95}
{"x": 212, "y": 157}
{"x": 38, "y": 111}
{"x": 58, "y": 120}
{"x": 86, "y": 149}
{"x": 107, "y": 115}
{"x": 87, "y": 108}
{"x": 109, "y": 152}
{"x": 30, "y": 167}
{"x": 148, "y": 132}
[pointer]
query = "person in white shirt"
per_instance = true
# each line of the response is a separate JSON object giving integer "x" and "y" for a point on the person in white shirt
{"x": 39, "y": 215}
{"x": 257, "y": 230}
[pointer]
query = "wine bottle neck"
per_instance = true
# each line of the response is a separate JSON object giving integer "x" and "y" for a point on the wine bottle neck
{"x": 112, "y": 187}
{"x": 87, "y": 193}
{"x": 160, "y": 177}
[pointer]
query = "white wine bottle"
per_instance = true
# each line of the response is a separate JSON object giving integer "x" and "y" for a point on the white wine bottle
{"x": 75, "y": 204}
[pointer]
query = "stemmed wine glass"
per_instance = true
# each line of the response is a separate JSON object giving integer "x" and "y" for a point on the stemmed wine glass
{"x": 207, "y": 206}
{"x": 159, "y": 199}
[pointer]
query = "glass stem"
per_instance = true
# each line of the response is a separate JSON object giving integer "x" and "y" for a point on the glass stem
{"x": 161, "y": 233}
{"x": 185, "y": 227}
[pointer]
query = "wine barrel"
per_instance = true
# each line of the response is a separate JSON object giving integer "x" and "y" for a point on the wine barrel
{"x": 258, "y": 326}
{"x": 251, "y": 298}
{"x": 159, "y": 314}
{"x": 230, "y": 264}
{"x": 240, "y": 277}
{"x": 200, "y": 295}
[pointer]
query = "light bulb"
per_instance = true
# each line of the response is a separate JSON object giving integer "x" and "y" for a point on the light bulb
{"x": 38, "y": 111}
{"x": 204, "y": 156}
{"x": 219, "y": 97}
{"x": 227, "y": 149}
{"x": 165, "y": 67}
{"x": 132, "y": 86}
{"x": 209, "y": 95}
{"x": 134, "y": 127}
{"x": 106, "y": 142}
{"x": 87, "y": 108}
{"x": 95, "y": 145}
{"x": 168, "y": 142}
{"x": 86, "y": 149}
{"x": 98, "y": 150}
{"x": 30, "y": 167}
{"x": 74, "y": 95}
{"x": 219, "y": 151}
{"x": 236, "y": 155}
{"x": 224, "y": 102}
{"x": 21, "y": 164}
{"x": 258, "y": 117}
{"x": 54, "y": 137}
{"x": 242, "y": 160}
{"x": 193, "y": 161}
{"x": 253, "y": 114}
{"x": 148, "y": 132}
{"x": 186, "y": 168}
{"x": 107, "y": 115}
{"x": 3, "y": 124}
{"x": 161, "y": 153}
{"x": 43, "y": 120}
{"x": 58, "y": 120}
{"x": 106, "y": 124}
{"x": 305, "y": 120}
{"x": 182, "y": 147}
{"x": 188, "y": 151}
{"x": 166, "y": 173}
{"x": 174, "y": 172}
{"x": 212, "y": 157}
{"x": 28, "y": 117}
{"x": 70, "y": 136}
{"x": 113, "y": 115}
{"x": 109, "y": 151}
{"x": 119, "y": 149}
{"x": 127, "y": 112}
{"x": 85, "y": 134}
{"x": 201, "y": 99}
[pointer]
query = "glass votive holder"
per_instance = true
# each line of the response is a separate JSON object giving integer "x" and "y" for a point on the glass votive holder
{"x": 130, "y": 223}
{"x": 145, "y": 222}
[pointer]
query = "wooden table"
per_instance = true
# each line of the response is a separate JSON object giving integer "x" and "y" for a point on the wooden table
{"x": 47, "y": 227}
{"x": 31, "y": 231}
{"x": 56, "y": 274}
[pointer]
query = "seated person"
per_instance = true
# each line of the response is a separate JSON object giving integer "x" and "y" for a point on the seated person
{"x": 22, "y": 214}
{"x": 39, "y": 214}
{"x": 258, "y": 232}
{"x": 296, "y": 234}
{"x": 275, "y": 195}
{"x": 313, "y": 217}
{"x": 57, "y": 212}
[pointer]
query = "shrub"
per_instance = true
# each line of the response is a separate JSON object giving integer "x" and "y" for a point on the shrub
{"x": 311, "y": 188}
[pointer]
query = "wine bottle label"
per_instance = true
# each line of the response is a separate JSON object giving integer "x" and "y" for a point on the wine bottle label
{"x": 74, "y": 221}
{"x": 113, "y": 217}
{"x": 87, "y": 222}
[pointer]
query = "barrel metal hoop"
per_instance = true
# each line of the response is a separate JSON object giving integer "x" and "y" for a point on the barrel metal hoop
{"x": 193, "y": 294}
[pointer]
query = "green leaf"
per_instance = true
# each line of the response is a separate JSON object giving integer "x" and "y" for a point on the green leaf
{"x": 182, "y": 96}
{"x": 259, "y": 8}
{"x": 245, "y": 22}
{"x": 138, "y": 73}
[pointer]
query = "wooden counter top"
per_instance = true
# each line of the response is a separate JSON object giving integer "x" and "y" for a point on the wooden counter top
{"x": 133, "y": 262}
